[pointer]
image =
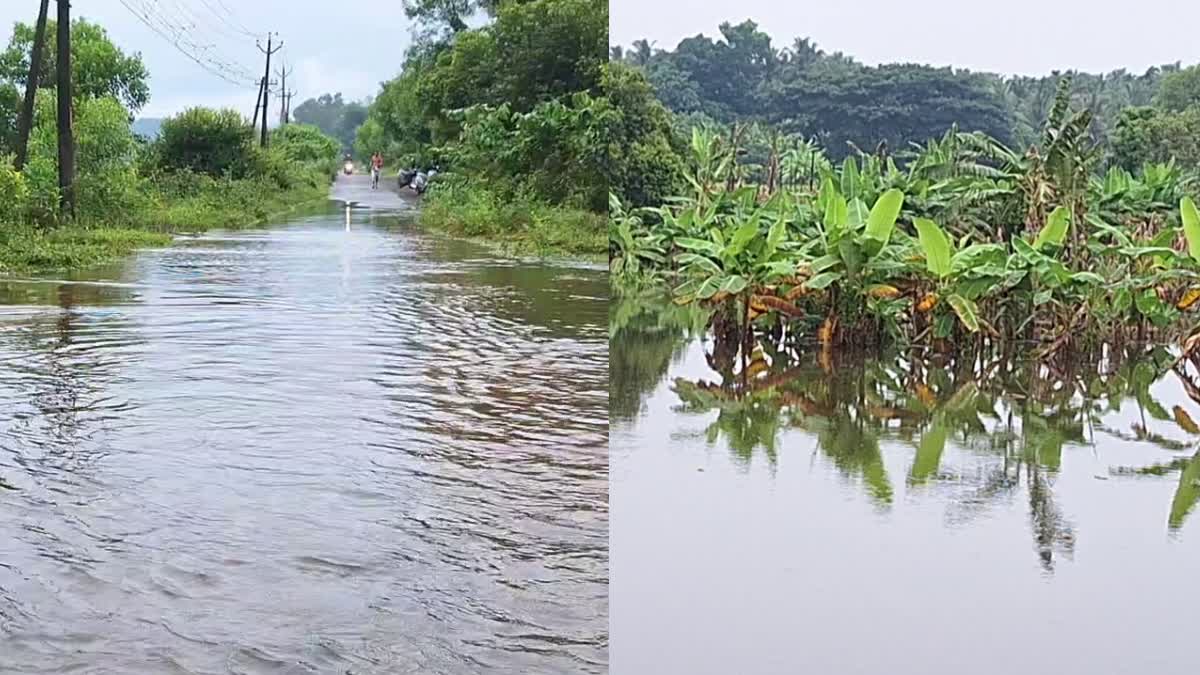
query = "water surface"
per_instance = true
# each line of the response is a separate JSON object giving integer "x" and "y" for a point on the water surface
{"x": 801, "y": 513}
{"x": 305, "y": 448}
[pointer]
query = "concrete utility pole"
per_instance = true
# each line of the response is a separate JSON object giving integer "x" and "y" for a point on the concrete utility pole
{"x": 258, "y": 102}
{"x": 266, "y": 101}
{"x": 25, "y": 124}
{"x": 66, "y": 136}
{"x": 283, "y": 93}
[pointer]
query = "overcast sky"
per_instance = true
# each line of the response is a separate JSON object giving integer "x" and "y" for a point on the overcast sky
{"x": 1029, "y": 37}
{"x": 333, "y": 46}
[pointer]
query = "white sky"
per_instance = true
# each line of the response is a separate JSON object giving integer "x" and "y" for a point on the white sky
{"x": 1029, "y": 37}
{"x": 349, "y": 47}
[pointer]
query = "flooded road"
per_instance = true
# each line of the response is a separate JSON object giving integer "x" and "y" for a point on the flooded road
{"x": 896, "y": 516}
{"x": 302, "y": 449}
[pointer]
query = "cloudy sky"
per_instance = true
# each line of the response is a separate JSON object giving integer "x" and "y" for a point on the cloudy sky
{"x": 332, "y": 46}
{"x": 1012, "y": 37}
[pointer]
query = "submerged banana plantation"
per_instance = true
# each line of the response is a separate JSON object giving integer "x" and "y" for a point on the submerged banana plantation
{"x": 963, "y": 244}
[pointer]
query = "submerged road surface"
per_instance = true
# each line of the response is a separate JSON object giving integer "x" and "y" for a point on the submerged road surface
{"x": 302, "y": 449}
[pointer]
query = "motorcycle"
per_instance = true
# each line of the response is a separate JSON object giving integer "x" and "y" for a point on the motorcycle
{"x": 419, "y": 182}
{"x": 406, "y": 176}
{"x": 349, "y": 167}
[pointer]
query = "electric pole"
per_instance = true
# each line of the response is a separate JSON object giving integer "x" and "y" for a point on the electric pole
{"x": 258, "y": 103}
{"x": 266, "y": 101}
{"x": 25, "y": 124}
{"x": 66, "y": 137}
{"x": 283, "y": 93}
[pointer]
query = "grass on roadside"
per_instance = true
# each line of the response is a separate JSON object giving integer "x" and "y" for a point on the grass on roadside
{"x": 25, "y": 249}
{"x": 522, "y": 225}
{"x": 169, "y": 204}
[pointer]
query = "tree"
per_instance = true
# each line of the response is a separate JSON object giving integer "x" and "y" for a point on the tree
{"x": 532, "y": 52}
{"x": 439, "y": 15}
{"x": 333, "y": 116}
{"x": 304, "y": 143}
{"x": 642, "y": 157}
{"x": 213, "y": 142}
{"x": 99, "y": 67}
{"x": 10, "y": 104}
{"x": 1151, "y": 135}
{"x": 1180, "y": 90}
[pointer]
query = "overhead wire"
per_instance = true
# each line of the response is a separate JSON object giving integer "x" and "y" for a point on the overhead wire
{"x": 180, "y": 35}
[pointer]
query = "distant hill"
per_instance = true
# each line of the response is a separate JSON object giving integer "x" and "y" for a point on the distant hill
{"x": 147, "y": 126}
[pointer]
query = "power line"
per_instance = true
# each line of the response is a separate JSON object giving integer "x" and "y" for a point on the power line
{"x": 227, "y": 19}
{"x": 233, "y": 18}
{"x": 204, "y": 55}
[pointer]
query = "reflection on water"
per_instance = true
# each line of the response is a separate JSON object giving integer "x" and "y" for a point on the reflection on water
{"x": 305, "y": 450}
{"x": 968, "y": 472}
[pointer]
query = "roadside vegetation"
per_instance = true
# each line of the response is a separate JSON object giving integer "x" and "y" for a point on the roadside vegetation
{"x": 203, "y": 170}
{"x": 516, "y": 117}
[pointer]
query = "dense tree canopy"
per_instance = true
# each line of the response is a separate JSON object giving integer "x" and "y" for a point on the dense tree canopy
{"x": 100, "y": 67}
{"x": 806, "y": 91}
{"x": 1149, "y": 134}
{"x": 333, "y": 116}
{"x": 741, "y": 75}
{"x": 1180, "y": 90}
{"x": 491, "y": 99}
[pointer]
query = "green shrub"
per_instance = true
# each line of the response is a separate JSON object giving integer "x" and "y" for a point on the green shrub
{"x": 203, "y": 140}
{"x": 14, "y": 192}
{"x": 305, "y": 143}
{"x": 519, "y": 221}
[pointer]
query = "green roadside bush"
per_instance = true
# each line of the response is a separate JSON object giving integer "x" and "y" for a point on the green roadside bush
{"x": 305, "y": 143}
{"x": 202, "y": 140}
{"x": 520, "y": 222}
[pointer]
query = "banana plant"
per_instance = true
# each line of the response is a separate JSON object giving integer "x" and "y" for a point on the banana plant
{"x": 634, "y": 252}
{"x": 742, "y": 253}
{"x": 853, "y": 238}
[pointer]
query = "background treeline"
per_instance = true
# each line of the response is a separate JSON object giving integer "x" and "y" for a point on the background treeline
{"x": 845, "y": 106}
{"x": 204, "y": 169}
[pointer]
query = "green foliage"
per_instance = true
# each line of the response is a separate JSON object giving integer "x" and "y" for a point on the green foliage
{"x": 100, "y": 68}
{"x": 10, "y": 102}
{"x": 520, "y": 113}
{"x": 553, "y": 152}
{"x": 515, "y": 222}
{"x": 1055, "y": 231}
{"x": 14, "y": 192}
{"x": 936, "y": 246}
{"x": 1095, "y": 256}
{"x": 306, "y": 144}
{"x": 25, "y": 249}
{"x": 333, "y": 116}
{"x": 213, "y": 142}
{"x": 808, "y": 93}
{"x": 641, "y": 159}
{"x": 1191, "y": 225}
{"x": 532, "y": 52}
{"x": 1150, "y": 135}
{"x": 1179, "y": 90}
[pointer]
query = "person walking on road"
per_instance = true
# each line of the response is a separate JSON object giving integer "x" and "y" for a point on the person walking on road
{"x": 376, "y": 169}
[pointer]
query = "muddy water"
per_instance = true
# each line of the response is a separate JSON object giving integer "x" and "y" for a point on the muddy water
{"x": 333, "y": 445}
{"x": 892, "y": 516}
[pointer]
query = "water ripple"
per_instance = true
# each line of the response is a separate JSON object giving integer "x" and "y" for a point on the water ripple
{"x": 305, "y": 450}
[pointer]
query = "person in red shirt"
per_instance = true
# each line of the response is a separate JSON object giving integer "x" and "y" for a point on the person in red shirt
{"x": 376, "y": 169}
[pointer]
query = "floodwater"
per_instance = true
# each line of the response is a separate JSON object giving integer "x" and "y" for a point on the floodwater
{"x": 896, "y": 516}
{"x": 333, "y": 445}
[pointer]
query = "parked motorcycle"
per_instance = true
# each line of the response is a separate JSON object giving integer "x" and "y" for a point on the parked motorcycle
{"x": 420, "y": 182}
